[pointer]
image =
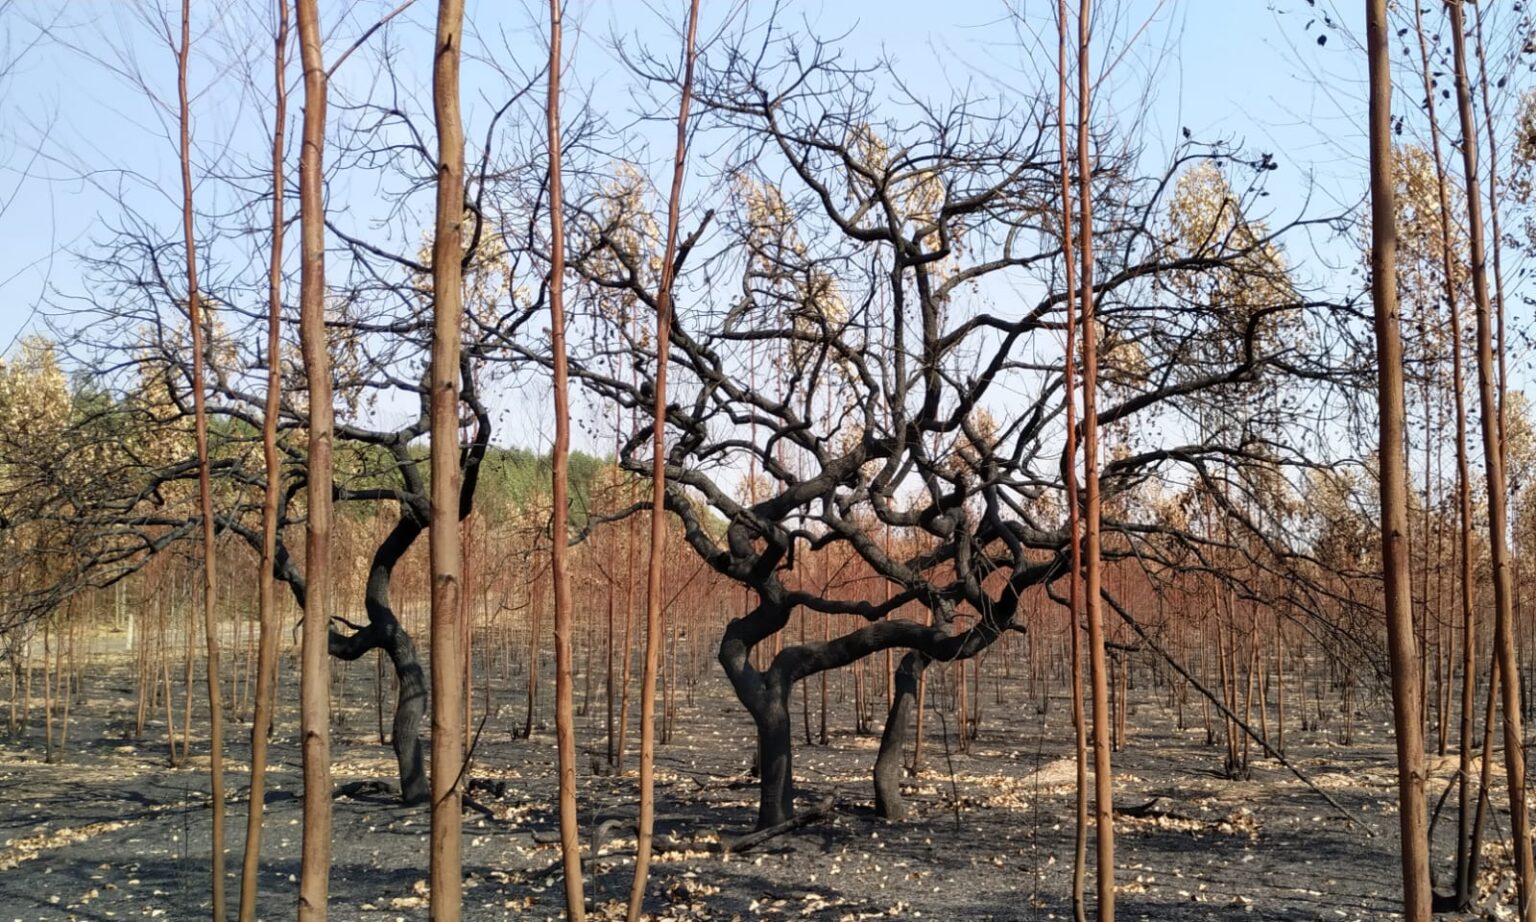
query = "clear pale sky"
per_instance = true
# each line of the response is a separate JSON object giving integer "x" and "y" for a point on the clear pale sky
{"x": 76, "y": 132}
{"x": 1237, "y": 70}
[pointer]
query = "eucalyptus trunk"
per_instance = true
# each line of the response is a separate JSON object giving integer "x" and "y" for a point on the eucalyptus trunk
{"x": 204, "y": 479}
{"x": 445, "y": 550}
{"x": 565, "y": 720}
{"x": 654, "y": 638}
{"x": 315, "y": 668}
{"x": 266, "y": 656}
{"x": 1497, "y": 494}
{"x": 1463, "y": 882}
{"x": 1414, "y": 843}
{"x": 1103, "y": 781}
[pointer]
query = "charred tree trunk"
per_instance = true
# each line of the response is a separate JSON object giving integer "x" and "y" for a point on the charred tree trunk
{"x": 385, "y": 632}
{"x": 775, "y": 754}
{"x": 890, "y": 762}
{"x": 766, "y": 693}
{"x": 766, "y": 698}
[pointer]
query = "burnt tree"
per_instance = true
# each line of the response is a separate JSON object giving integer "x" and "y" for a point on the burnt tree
{"x": 866, "y": 339}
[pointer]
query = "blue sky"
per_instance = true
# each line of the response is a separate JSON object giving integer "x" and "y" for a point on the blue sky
{"x": 78, "y": 131}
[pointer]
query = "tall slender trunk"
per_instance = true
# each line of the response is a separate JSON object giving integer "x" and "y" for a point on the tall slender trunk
{"x": 48, "y": 753}
{"x": 826, "y": 635}
{"x": 890, "y": 670}
{"x": 315, "y": 669}
{"x": 446, "y": 879}
{"x": 1485, "y": 771}
{"x": 670, "y": 681}
{"x": 535, "y": 609}
{"x": 13, "y": 727}
{"x": 565, "y": 720}
{"x": 631, "y": 542}
{"x": 188, "y": 637}
{"x": 1464, "y": 883}
{"x": 1228, "y": 691}
{"x": 1069, "y": 471}
{"x": 1493, "y": 225}
{"x": 1425, "y": 517}
{"x": 266, "y": 657}
{"x": 1503, "y": 388}
{"x": 68, "y": 681}
{"x": 653, "y": 626}
{"x": 164, "y": 674}
{"x": 805, "y": 691}
{"x": 1493, "y": 466}
{"x": 1103, "y": 782}
{"x": 1279, "y": 690}
{"x": 1394, "y": 478}
{"x": 204, "y": 480}
{"x": 467, "y": 587}
{"x": 608, "y": 684}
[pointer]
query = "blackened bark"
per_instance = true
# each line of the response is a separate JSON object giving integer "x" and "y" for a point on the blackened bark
{"x": 765, "y": 694}
{"x": 889, "y": 763}
{"x": 776, "y": 785}
{"x": 385, "y": 632}
{"x": 768, "y": 705}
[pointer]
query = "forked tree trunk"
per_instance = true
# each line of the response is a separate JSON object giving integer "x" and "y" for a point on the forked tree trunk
{"x": 1394, "y": 478}
{"x": 385, "y": 633}
{"x": 314, "y": 686}
{"x": 766, "y": 699}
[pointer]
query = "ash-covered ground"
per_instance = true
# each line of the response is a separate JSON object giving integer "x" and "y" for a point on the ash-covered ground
{"x": 111, "y": 831}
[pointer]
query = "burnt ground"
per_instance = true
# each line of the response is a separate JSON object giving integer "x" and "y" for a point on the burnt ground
{"x": 113, "y": 832}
